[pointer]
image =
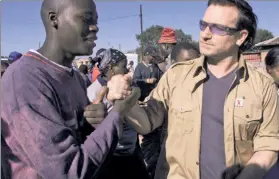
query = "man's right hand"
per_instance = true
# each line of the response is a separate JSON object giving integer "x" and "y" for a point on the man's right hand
{"x": 122, "y": 106}
{"x": 119, "y": 87}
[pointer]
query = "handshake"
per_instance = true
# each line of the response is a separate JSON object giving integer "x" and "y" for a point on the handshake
{"x": 120, "y": 93}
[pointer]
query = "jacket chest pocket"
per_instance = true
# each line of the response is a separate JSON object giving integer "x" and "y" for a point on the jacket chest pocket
{"x": 181, "y": 119}
{"x": 247, "y": 122}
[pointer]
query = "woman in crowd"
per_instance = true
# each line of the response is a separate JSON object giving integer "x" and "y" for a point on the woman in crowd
{"x": 127, "y": 162}
{"x": 272, "y": 67}
{"x": 272, "y": 64}
{"x": 95, "y": 70}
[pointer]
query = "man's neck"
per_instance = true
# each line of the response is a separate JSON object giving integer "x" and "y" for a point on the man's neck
{"x": 52, "y": 52}
{"x": 146, "y": 63}
{"x": 222, "y": 67}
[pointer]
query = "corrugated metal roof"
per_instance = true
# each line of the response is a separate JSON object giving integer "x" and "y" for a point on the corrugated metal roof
{"x": 273, "y": 41}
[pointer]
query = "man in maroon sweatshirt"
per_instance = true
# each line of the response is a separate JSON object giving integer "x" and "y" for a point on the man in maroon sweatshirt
{"x": 44, "y": 133}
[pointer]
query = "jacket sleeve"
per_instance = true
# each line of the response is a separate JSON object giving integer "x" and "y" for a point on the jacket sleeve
{"x": 153, "y": 112}
{"x": 151, "y": 147}
{"x": 267, "y": 137}
{"x": 51, "y": 147}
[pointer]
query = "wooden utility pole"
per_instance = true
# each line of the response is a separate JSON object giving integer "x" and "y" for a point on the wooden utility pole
{"x": 141, "y": 30}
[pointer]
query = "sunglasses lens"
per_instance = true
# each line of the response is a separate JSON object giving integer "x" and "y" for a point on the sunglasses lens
{"x": 214, "y": 29}
{"x": 203, "y": 25}
{"x": 217, "y": 31}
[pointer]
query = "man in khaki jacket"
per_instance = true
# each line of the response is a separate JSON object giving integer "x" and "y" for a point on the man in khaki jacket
{"x": 220, "y": 111}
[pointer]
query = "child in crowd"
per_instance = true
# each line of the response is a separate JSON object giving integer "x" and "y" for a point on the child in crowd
{"x": 272, "y": 64}
{"x": 126, "y": 162}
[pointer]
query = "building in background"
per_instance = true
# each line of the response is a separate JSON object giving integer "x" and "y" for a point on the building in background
{"x": 133, "y": 57}
{"x": 4, "y": 58}
{"x": 258, "y": 53}
{"x": 80, "y": 61}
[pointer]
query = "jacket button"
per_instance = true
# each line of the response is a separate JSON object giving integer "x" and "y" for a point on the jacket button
{"x": 197, "y": 163}
{"x": 247, "y": 116}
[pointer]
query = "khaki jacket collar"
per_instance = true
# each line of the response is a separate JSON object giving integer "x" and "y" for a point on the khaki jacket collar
{"x": 200, "y": 71}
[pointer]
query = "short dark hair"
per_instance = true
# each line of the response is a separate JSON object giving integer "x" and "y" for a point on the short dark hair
{"x": 83, "y": 69}
{"x": 131, "y": 63}
{"x": 183, "y": 46}
{"x": 272, "y": 58}
{"x": 246, "y": 19}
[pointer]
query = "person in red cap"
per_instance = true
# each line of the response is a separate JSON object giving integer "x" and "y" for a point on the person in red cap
{"x": 167, "y": 41}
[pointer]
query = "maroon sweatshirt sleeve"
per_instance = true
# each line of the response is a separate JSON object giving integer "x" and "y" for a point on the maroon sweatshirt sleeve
{"x": 38, "y": 132}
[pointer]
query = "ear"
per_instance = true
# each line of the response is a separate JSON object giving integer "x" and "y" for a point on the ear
{"x": 243, "y": 34}
{"x": 52, "y": 17}
{"x": 111, "y": 69}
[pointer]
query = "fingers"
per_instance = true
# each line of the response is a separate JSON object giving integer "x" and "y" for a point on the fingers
{"x": 97, "y": 101}
{"x": 95, "y": 120}
{"x": 119, "y": 87}
{"x": 122, "y": 95}
{"x": 94, "y": 114}
{"x": 136, "y": 92}
{"x": 127, "y": 76}
{"x": 133, "y": 98}
{"x": 94, "y": 107}
{"x": 130, "y": 77}
{"x": 94, "y": 111}
{"x": 126, "y": 93}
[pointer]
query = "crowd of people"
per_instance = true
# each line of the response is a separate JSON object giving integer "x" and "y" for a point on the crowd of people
{"x": 182, "y": 113}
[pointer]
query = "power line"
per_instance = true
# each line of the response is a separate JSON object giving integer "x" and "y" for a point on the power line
{"x": 101, "y": 20}
{"x": 141, "y": 31}
{"x": 121, "y": 17}
{"x": 108, "y": 19}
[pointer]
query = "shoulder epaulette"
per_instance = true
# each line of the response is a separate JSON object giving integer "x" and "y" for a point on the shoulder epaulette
{"x": 189, "y": 62}
{"x": 261, "y": 71}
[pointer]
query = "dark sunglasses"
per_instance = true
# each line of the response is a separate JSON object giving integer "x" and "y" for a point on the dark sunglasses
{"x": 217, "y": 29}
